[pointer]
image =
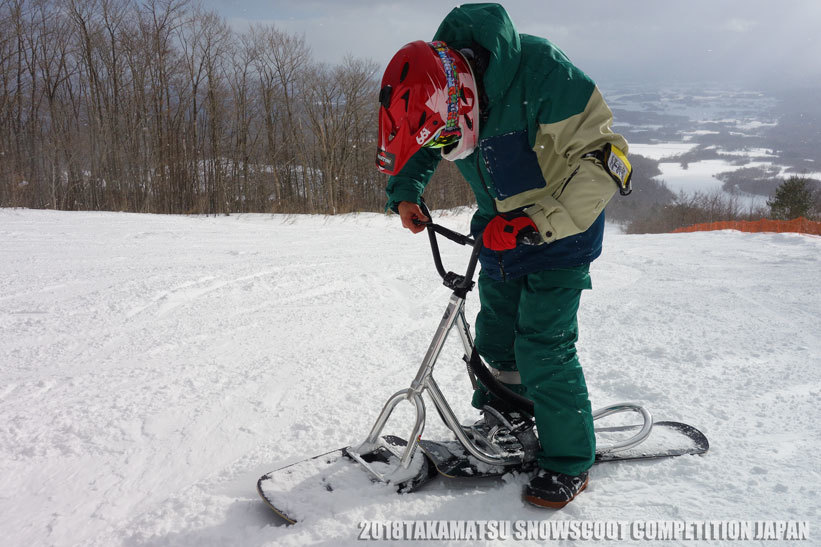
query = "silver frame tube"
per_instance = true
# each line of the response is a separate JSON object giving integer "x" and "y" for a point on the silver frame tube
{"x": 423, "y": 381}
{"x": 638, "y": 438}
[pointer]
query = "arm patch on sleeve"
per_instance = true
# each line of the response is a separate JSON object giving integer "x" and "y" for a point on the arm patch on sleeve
{"x": 616, "y": 163}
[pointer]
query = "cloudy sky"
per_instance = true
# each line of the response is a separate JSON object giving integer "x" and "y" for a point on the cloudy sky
{"x": 752, "y": 42}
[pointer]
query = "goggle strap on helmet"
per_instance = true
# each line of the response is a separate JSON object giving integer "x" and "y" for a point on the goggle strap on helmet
{"x": 451, "y": 132}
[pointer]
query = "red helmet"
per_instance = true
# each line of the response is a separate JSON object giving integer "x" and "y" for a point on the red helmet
{"x": 428, "y": 98}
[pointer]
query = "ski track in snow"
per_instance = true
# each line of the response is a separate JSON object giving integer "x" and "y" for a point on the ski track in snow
{"x": 155, "y": 366}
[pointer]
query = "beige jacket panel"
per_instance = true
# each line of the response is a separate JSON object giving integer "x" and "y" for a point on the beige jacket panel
{"x": 577, "y": 188}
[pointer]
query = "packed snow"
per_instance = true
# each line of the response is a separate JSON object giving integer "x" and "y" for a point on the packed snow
{"x": 155, "y": 366}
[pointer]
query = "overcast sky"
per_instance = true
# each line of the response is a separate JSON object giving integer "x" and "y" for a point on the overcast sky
{"x": 752, "y": 42}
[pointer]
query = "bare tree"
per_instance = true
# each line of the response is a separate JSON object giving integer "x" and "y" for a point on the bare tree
{"x": 158, "y": 106}
{"x": 282, "y": 62}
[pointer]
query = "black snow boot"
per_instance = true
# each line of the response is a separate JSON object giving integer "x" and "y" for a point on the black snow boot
{"x": 554, "y": 490}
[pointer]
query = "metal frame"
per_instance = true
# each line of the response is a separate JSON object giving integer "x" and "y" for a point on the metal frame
{"x": 454, "y": 316}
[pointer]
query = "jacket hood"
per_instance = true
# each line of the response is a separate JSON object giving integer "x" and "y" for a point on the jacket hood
{"x": 490, "y": 26}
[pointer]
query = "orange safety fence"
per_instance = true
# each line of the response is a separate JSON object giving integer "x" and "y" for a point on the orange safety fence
{"x": 800, "y": 225}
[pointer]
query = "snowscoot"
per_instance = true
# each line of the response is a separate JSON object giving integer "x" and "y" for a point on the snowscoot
{"x": 505, "y": 440}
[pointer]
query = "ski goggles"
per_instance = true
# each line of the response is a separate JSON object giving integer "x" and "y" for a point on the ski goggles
{"x": 443, "y": 138}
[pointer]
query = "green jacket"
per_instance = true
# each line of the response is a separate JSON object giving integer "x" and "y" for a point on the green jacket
{"x": 544, "y": 115}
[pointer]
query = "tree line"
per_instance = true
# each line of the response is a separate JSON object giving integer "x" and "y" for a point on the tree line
{"x": 160, "y": 106}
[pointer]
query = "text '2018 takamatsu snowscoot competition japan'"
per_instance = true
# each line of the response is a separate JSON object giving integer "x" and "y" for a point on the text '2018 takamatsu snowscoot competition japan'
{"x": 504, "y": 442}
{"x": 531, "y": 134}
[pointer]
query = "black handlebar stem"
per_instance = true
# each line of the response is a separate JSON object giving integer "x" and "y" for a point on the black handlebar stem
{"x": 460, "y": 284}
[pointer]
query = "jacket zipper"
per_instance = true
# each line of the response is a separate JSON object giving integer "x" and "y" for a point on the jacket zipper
{"x": 495, "y": 210}
{"x": 566, "y": 182}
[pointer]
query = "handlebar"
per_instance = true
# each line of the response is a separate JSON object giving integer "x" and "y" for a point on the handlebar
{"x": 456, "y": 282}
{"x": 452, "y": 280}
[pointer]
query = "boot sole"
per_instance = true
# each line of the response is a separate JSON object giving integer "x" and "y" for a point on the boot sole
{"x": 554, "y": 504}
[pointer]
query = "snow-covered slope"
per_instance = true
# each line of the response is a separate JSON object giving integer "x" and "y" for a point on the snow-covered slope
{"x": 153, "y": 367}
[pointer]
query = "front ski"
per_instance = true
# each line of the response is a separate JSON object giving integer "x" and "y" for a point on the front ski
{"x": 327, "y": 482}
{"x": 668, "y": 439}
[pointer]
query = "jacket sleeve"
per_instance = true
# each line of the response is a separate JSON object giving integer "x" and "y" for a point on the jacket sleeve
{"x": 410, "y": 182}
{"x": 562, "y": 148}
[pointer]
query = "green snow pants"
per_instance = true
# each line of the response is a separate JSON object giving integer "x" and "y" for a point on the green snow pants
{"x": 529, "y": 324}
